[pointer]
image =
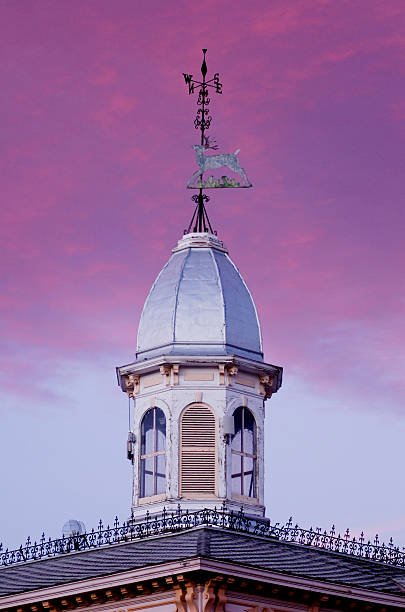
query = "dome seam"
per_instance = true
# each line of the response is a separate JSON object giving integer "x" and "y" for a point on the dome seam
{"x": 222, "y": 295}
{"x": 251, "y": 298}
{"x": 148, "y": 297}
{"x": 177, "y": 295}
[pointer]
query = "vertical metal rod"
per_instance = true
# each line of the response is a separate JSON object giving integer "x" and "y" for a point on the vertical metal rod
{"x": 192, "y": 221}
{"x": 203, "y": 94}
{"x": 200, "y": 221}
{"x": 204, "y": 89}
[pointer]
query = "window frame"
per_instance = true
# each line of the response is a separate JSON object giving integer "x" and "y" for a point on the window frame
{"x": 154, "y": 455}
{"x": 242, "y": 454}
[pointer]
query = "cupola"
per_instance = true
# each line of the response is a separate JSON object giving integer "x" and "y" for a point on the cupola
{"x": 198, "y": 386}
{"x": 198, "y": 382}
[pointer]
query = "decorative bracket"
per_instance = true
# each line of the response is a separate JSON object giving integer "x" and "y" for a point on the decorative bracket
{"x": 221, "y": 599}
{"x": 179, "y": 600}
{"x": 175, "y": 373}
{"x": 266, "y": 386}
{"x": 165, "y": 371}
{"x": 193, "y": 597}
{"x": 231, "y": 370}
{"x": 132, "y": 384}
{"x": 209, "y": 596}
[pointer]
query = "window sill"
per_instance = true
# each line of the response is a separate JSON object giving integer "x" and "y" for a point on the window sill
{"x": 151, "y": 499}
{"x": 199, "y": 496}
{"x": 244, "y": 498}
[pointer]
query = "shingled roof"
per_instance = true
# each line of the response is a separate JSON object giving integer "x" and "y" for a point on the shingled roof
{"x": 284, "y": 558}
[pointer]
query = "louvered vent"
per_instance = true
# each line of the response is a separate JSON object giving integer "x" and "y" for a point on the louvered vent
{"x": 198, "y": 451}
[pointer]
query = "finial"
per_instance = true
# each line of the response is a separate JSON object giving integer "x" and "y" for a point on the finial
{"x": 204, "y": 65}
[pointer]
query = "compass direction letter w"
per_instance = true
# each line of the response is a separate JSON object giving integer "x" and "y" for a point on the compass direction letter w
{"x": 187, "y": 78}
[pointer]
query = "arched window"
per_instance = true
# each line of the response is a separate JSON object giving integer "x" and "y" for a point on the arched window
{"x": 153, "y": 453}
{"x": 244, "y": 454}
{"x": 198, "y": 452}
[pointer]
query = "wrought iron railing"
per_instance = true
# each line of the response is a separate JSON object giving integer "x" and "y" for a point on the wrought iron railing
{"x": 182, "y": 520}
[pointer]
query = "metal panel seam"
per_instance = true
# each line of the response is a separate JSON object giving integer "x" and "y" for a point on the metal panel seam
{"x": 177, "y": 295}
{"x": 222, "y": 294}
{"x": 251, "y": 297}
{"x": 147, "y": 301}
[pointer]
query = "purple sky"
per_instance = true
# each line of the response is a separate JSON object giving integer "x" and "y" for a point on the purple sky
{"x": 96, "y": 139}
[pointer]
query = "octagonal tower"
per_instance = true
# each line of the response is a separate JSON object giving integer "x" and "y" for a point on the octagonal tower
{"x": 198, "y": 384}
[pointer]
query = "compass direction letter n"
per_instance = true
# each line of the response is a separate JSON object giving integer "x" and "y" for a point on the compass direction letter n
{"x": 187, "y": 78}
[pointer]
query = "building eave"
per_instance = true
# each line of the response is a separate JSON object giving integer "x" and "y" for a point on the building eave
{"x": 192, "y": 565}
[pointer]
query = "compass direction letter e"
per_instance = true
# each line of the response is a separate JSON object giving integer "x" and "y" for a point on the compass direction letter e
{"x": 218, "y": 85}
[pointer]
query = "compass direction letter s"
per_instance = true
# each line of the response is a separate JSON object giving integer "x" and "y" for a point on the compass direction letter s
{"x": 218, "y": 85}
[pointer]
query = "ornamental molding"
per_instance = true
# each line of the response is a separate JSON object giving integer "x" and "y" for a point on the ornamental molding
{"x": 148, "y": 366}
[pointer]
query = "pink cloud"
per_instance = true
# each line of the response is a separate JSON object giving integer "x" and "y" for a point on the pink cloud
{"x": 105, "y": 76}
{"x": 97, "y": 150}
{"x": 116, "y": 107}
{"x": 285, "y": 19}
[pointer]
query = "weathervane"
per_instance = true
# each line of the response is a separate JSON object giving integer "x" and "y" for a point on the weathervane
{"x": 200, "y": 221}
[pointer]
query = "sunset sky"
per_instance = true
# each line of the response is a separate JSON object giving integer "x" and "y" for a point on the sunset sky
{"x": 96, "y": 137}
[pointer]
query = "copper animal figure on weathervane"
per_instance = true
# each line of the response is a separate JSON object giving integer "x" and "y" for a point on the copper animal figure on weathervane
{"x": 208, "y": 162}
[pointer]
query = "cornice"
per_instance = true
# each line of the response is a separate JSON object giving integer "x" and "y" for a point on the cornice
{"x": 182, "y": 568}
{"x": 149, "y": 365}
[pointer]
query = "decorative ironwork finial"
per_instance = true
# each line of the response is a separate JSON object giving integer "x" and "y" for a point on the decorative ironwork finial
{"x": 200, "y": 221}
{"x": 203, "y": 119}
{"x": 204, "y": 65}
{"x": 202, "y": 122}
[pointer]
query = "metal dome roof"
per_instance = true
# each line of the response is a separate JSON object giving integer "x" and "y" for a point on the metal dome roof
{"x": 199, "y": 305}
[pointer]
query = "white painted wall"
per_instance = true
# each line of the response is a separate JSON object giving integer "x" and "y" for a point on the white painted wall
{"x": 172, "y": 394}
